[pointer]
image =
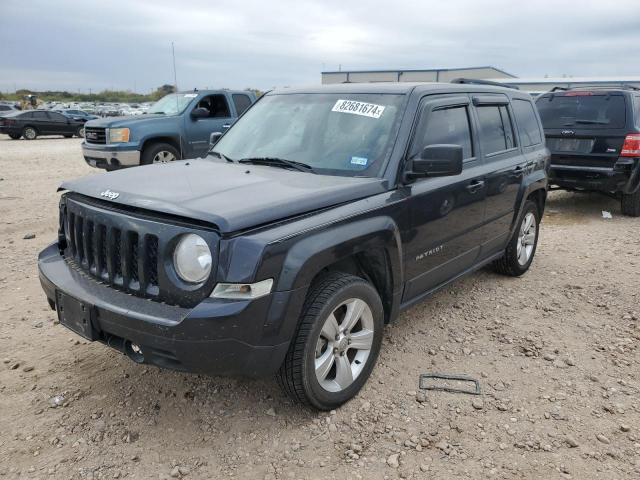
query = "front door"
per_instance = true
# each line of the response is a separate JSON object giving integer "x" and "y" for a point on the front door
{"x": 446, "y": 213}
{"x": 199, "y": 130}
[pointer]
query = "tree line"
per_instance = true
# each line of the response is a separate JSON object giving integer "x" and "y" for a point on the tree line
{"x": 103, "y": 96}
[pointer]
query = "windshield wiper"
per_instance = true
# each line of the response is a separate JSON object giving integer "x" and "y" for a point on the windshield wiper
{"x": 157, "y": 113}
{"x": 221, "y": 155}
{"x": 279, "y": 162}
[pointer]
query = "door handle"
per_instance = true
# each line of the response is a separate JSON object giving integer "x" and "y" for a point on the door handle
{"x": 474, "y": 186}
{"x": 226, "y": 125}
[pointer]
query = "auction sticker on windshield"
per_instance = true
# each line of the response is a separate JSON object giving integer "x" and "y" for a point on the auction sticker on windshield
{"x": 358, "y": 108}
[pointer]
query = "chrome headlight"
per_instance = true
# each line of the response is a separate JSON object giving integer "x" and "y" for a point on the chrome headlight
{"x": 192, "y": 259}
{"x": 118, "y": 135}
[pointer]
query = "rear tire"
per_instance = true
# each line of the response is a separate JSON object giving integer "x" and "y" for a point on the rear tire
{"x": 337, "y": 342}
{"x": 29, "y": 133}
{"x": 522, "y": 247}
{"x": 630, "y": 204}
{"x": 15, "y": 136}
{"x": 68, "y": 136}
{"x": 159, "y": 153}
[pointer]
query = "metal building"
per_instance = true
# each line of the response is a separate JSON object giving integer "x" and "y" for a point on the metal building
{"x": 430, "y": 75}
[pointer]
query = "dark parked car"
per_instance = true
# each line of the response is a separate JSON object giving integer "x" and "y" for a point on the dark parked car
{"x": 594, "y": 138}
{"x": 31, "y": 123}
{"x": 177, "y": 126}
{"x": 317, "y": 218}
{"x": 78, "y": 114}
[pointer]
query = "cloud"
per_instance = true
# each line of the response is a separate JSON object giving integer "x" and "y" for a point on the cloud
{"x": 122, "y": 44}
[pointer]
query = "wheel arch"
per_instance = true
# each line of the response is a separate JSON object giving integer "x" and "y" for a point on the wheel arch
{"x": 171, "y": 140}
{"x": 369, "y": 248}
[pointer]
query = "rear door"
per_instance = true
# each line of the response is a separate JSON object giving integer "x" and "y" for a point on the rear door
{"x": 199, "y": 130}
{"x": 446, "y": 213}
{"x": 40, "y": 120}
{"x": 585, "y": 130}
{"x": 504, "y": 166}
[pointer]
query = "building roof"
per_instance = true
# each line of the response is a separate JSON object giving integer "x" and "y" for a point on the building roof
{"x": 393, "y": 70}
{"x": 565, "y": 80}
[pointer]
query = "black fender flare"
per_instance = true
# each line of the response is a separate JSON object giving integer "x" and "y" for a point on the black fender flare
{"x": 306, "y": 258}
{"x": 533, "y": 182}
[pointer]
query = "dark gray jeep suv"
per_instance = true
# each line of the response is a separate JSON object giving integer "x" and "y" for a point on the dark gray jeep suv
{"x": 318, "y": 217}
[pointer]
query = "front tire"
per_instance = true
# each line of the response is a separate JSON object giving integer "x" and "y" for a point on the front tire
{"x": 159, "y": 153}
{"x": 29, "y": 133}
{"x": 522, "y": 247}
{"x": 15, "y": 136}
{"x": 80, "y": 132}
{"x": 630, "y": 204}
{"x": 337, "y": 342}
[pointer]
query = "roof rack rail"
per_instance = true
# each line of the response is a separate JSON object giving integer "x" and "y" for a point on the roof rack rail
{"x": 622, "y": 86}
{"x": 475, "y": 81}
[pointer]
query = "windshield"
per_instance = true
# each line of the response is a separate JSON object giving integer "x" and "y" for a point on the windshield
{"x": 172, "y": 104}
{"x": 335, "y": 134}
{"x": 586, "y": 110}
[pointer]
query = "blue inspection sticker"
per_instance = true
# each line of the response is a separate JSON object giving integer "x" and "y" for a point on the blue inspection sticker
{"x": 359, "y": 161}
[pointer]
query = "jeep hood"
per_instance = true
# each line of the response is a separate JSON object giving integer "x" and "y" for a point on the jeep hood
{"x": 231, "y": 196}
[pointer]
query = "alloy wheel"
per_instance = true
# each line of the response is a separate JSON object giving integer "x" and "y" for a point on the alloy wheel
{"x": 526, "y": 238}
{"x": 344, "y": 345}
{"x": 164, "y": 157}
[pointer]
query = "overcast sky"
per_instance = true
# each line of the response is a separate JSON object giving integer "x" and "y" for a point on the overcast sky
{"x": 126, "y": 44}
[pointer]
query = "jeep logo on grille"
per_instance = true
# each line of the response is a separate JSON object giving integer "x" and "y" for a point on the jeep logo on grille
{"x": 109, "y": 194}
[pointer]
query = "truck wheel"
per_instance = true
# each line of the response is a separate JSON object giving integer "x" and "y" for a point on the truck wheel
{"x": 29, "y": 133}
{"x": 337, "y": 342}
{"x": 631, "y": 204}
{"x": 15, "y": 136}
{"x": 522, "y": 247}
{"x": 80, "y": 132}
{"x": 159, "y": 153}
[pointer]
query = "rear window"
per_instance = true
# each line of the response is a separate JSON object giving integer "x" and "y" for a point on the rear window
{"x": 496, "y": 133}
{"x": 600, "y": 110}
{"x": 527, "y": 123}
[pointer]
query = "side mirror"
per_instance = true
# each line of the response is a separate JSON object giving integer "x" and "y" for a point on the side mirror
{"x": 199, "y": 113}
{"x": 437, "y": 161}
{"x": 213, "y": 139}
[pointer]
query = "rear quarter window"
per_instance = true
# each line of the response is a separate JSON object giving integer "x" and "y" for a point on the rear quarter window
{"x": 528, "y": 126}
{"x": 582, "y": 110}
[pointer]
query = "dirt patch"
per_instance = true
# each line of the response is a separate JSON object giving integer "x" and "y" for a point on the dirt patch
{"x": 556, "y": 352}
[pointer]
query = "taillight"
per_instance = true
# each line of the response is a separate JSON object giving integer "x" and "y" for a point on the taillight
{"x": 631, "y": 146}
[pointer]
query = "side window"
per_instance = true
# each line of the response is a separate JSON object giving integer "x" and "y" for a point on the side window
{"x": 637, "y": 100}
{"x": 40, "y": 116}
{"x": 445, "y": 125}
{"x": 528, "y": 126}
{"x": 496, "y": 131}
{"x": 217, "y": 106}
{"x": 57, "y": 117}
{"x": 26, "y": 115}
{"x": 241, "y": 102}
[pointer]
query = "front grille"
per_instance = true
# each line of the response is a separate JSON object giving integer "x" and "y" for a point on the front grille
{"x": 121, "y": 258}
{"x": 129, "y": 251}
{"x": 95, "y": 135}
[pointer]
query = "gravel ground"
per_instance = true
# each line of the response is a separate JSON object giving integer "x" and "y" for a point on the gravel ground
{"x": 556, "y": 353}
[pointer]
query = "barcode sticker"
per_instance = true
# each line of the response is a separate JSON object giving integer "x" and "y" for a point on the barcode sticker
{"x": 358, "y": 108}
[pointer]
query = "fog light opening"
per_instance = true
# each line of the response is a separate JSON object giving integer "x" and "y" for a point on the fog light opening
{"x": 134, "y": 352}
